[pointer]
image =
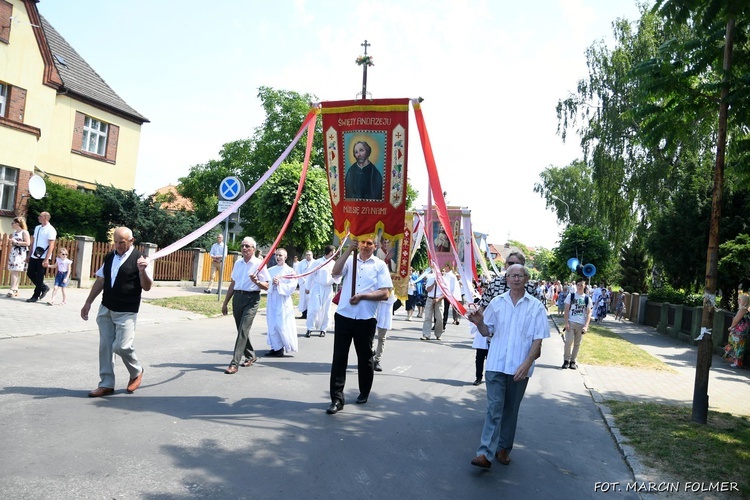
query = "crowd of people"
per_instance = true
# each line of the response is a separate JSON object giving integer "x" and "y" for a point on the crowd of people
{"x": 507, "y": 317}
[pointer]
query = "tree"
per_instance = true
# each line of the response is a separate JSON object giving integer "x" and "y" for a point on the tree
{"x": 571, "y": 191}
{"x": 699, "y": 57}
{"x": 143, "y": 215}
{"x": 588, "y": 245}
{"x": 542, "y": 262}
{"x": 312, "y": 224}
{"x": 734, "y": 267}
{"x": 72, "y": 212}
{"x": 634, "y": 266}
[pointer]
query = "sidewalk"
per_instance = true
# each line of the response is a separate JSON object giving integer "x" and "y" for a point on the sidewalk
{"x": 23, "y": 319}
{"x": 728, "y": 388}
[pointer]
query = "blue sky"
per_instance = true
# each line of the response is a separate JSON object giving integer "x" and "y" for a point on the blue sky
{"x": 491, "y": 73}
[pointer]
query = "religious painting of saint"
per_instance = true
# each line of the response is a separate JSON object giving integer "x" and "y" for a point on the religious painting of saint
{"x": 442, "y": 243}
{"x": 363, "y": 179}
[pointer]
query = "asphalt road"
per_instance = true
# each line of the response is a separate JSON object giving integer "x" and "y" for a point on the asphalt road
{"x": 191, "y": 431}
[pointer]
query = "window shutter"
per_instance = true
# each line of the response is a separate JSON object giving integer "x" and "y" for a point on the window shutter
{"x": 113, "y": 136}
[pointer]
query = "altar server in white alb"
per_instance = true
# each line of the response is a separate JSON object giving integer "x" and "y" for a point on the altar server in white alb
{"x": 302, "y": 267}
{"x": 282, "y": 329}
{"x": 319, "y": 290}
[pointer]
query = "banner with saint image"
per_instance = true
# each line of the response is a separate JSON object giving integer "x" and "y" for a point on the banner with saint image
{"x": 366, "y": 156}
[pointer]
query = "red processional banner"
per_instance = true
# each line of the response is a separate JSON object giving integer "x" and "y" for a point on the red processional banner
{"x": 366, "y": 154}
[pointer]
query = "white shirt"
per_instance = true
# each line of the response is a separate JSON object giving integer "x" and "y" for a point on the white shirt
{"x": 218, "y": 250}
{"x": 372, "y": 275}
{"x": 116, "y": 263}
{"x": 514, "y": 329}
{"x": 242, "y": 271}
{"x": 454, "y": 286}
{"x": 578, "y": 308}
{"x": 435, "y": 293}
{"x": 322, "y": 277}
{"x": 42, "y": 237}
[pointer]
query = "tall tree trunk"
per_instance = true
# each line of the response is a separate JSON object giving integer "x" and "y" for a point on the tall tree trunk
{"x": 705, "y": 346}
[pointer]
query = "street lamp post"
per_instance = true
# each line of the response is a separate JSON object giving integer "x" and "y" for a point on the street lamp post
{"x": 561, "y": 201}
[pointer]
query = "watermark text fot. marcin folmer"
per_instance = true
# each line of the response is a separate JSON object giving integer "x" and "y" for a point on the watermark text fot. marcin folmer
{"x": 666, "y": 487}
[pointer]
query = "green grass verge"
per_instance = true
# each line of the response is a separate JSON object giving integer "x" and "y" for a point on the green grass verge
{"x": 600, "y": 346}
{"x": 666, "y": 439}
{"x": 207, "y": 305}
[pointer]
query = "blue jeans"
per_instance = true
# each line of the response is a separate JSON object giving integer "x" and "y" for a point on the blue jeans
{"x": 504, "y": 398}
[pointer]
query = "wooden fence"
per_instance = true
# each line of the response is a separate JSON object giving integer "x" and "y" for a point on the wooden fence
{"x": 177, "y": 266}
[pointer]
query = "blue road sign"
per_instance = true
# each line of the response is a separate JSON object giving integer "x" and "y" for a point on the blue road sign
{"x": 230, "y": 188}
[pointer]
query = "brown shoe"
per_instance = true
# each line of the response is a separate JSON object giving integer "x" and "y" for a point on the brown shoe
{"x": 481, "y": 461}
{"x": 135, "y": 383}
{"x": 503, "y": 456}
{"x": 249, "y": 362}
{"x": 101, "y": 391}
{"x": 231, "y": 370}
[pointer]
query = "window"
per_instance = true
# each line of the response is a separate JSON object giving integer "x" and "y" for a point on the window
{"x": 3, "y": 98}
{"x": 94, "y": 136}
{"x": 8, "y": 183}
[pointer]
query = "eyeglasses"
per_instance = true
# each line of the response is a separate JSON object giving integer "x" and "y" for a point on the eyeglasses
{"x": 516, "y": 276}
{"x": 246, "y": 246}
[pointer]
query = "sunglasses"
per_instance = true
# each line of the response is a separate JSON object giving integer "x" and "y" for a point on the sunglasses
{"x": 513, "y": 263}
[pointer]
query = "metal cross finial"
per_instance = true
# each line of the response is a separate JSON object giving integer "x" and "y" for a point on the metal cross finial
{"x": 365, "y": 63}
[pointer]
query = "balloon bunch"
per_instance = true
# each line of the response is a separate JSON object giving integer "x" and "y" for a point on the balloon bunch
{"x": 587, "y": 270}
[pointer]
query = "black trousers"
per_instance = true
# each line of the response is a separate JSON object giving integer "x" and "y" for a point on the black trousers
{"x": 362, "y": 332}
{"x": 35, "y": 272}
{"x": 479, "y": 361}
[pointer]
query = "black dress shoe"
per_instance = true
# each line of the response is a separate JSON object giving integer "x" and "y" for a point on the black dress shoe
{"x": 361, "y": 399}
{"x": 44, "y": 292}
{"x": 378, "y": 368}
{"x": 307, "y": 334}
{"x": 32, "y": 299}
{"x": 335, "y": 408}
{"x": 478, "y": 381}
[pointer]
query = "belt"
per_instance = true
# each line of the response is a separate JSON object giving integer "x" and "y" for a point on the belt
{"x": 247, "y": 292}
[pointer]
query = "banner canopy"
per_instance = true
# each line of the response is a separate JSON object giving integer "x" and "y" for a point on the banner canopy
{"x": 366, "y": 142}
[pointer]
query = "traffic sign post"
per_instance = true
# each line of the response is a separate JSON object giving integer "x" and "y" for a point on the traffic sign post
{"x": 230, "y": 189}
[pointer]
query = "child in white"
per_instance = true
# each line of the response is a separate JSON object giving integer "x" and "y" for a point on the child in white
{"x": 62, "y": 276}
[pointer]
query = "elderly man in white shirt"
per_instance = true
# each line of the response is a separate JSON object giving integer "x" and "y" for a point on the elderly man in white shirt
{"x": 121, "y": 278}
{"x": 244, "y": 291}
{"x": 517, "y": 323}
{"x": 218, "y": 253}
{"x": 355, "y": 318}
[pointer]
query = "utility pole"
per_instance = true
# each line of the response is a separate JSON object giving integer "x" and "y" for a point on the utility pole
{"x": 705, "y": 345}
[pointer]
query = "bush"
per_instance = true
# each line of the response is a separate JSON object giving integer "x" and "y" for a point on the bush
{"x": 667, "y": 294}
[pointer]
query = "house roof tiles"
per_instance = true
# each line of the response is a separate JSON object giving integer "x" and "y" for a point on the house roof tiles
{"x": 80, "y": 79}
